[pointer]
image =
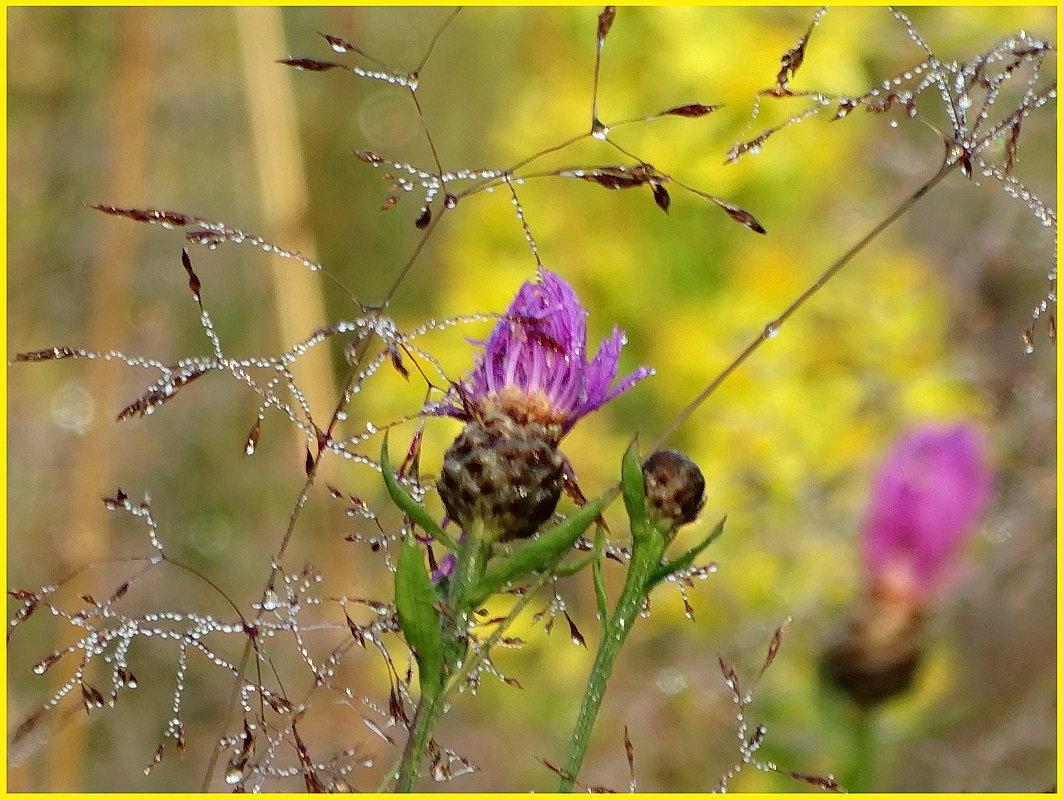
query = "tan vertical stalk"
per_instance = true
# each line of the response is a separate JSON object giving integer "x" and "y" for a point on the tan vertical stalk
{"x": 283, "y": 195}
{"x": 298, "y": 298}
{"x": 129, "y": 107}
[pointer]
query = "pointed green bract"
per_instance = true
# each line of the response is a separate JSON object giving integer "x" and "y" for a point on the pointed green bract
{"x": 633, "y": 485}
{"x": 537, "y": 554}
{"x": 687, "y": 559}
{"x": 410, "y": 507}
{"x": 415, "y": 601}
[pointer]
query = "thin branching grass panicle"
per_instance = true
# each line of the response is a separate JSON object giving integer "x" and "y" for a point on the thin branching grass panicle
{"x": 368, "y": 610}
{"x": 984, "y": 101}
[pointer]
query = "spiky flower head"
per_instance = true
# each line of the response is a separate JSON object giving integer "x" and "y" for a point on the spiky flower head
{"x": 925, "y": 502}
{"x": 529, "y": 385}
{"x": 534, "y": 363}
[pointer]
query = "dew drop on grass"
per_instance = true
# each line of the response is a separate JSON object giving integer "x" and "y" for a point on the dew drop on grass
{"x": 270, "y": 601}
{"x": 233, "y": 774}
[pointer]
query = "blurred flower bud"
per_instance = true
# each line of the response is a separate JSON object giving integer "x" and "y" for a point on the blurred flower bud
{"x": 877, "y": 655}
{"x": 675, "y": 488}
{"x": 925, "y": 501}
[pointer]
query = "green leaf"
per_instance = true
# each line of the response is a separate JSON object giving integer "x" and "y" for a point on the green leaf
{"x": 410, "y": 507}
{"x": 572, "y": 567}
{"x": 687, "y": 559}
{"x": 537, "y": 554}
{"x": 415, "y": 600}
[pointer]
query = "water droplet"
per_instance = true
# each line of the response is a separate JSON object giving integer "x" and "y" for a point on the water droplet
{"x": 771, "y": 330}
{"x": 233, "y": 774}
{"x": 964, "y": 101}
{"x": 893, "y": 123}
{"x": 341, "y": 415}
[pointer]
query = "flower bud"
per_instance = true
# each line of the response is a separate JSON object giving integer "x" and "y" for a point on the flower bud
{"x": 675, "y": 488}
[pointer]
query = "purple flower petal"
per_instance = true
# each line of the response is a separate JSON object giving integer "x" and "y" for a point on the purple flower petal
{"x": 926, "y": 499}
{"x": 538, "y": 349}
{"x": 446, "y": 567}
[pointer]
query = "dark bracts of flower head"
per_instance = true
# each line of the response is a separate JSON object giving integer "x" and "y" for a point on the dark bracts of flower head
{"x": 530, "y": 384}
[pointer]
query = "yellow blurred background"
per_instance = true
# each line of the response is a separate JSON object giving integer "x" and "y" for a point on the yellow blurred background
{"x": 185, "y": 109}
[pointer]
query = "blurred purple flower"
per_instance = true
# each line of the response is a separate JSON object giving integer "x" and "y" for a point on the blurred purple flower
{"x": 926, "y": 499}
{"x": 535, "y": 361}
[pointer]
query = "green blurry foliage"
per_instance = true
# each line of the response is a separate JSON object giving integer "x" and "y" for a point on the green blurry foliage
{"x": 925, "y": 323}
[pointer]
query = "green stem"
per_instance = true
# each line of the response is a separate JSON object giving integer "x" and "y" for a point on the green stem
{"x": 472, "y": 558}
{"x": 467, "y": 573}
{"x": 643, "y": 561}
{"x": 862, "y": 754}
{"x": 423, "y": 722}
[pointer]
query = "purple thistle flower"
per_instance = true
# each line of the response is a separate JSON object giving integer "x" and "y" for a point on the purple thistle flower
{"x": 535, "y": 361}
{"x": 926, "y": 499}
{"x": 530, "y": 384}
